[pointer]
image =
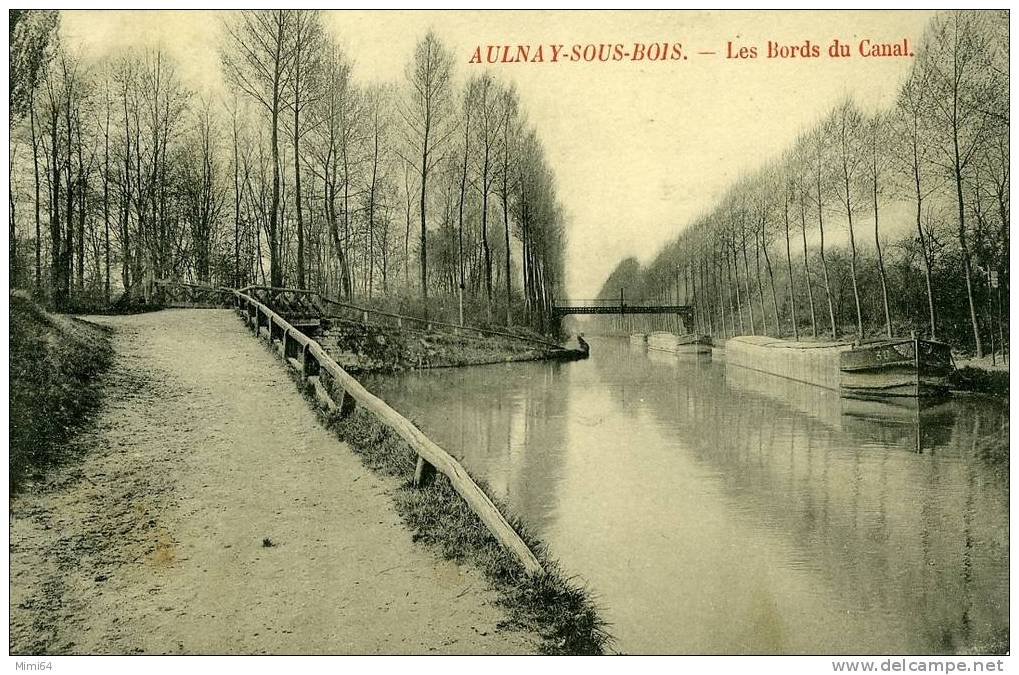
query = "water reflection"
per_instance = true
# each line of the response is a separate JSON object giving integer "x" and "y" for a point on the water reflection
{"x": 722, "y": 511}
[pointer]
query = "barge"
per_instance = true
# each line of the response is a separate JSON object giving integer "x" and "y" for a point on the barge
{"x": 883, "y": 368}
{"x": 691, "y": 343}
{"x": 896, "y": 367}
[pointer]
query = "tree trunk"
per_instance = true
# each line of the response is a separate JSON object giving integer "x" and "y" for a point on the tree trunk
{"x": 237, "y": 208}
{"x": 806, "y": 269}
{"x": 771, "y": 281}
{"x": 509, "y": 286}
{"x": 67, "y": 256}
{"x": 739, "y": 299}
{"x": 370, "y": 252}
{"x": 746, "y": 281}
{"x": 424, "y": 230}
{"x": 789, "y": 269}
{"x": 880, "y": 259}
{"x": 484, "y": 233}
{"x": 926, "y": 263}
{"x": 824, "y": 261}
{"x": 57, "y": 286}
{"x": 460, "y": 222}
{"x": 852, "y": 269}
{"x": 106, "y": 204}
{"x": 13, "y": 230}
{"x": 275, "y": 271}
{"x": 964, "y": 249}
{"x": 301, "y": 281}
{"x": 38, "y": 221}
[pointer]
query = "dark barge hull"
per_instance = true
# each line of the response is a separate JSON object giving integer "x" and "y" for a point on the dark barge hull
{"x": 569, "y": 354}
{"x": 896, "y": 368}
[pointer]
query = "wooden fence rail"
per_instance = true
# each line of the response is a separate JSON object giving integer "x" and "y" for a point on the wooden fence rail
{"x": 307, "y": 357}
{"x": 346, "y": 310}
{"x": 183, "y": 294}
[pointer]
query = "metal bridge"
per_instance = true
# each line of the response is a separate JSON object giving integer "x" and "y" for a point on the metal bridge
{"x": 619, "y": 307}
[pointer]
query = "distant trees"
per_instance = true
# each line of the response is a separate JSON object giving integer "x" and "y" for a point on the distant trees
{"x": 939, "y": 154}
{"x": 295, "y": 174}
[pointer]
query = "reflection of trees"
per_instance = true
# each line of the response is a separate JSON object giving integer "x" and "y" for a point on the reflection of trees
{"x": 915, "y": 543}
{"x": 506, "y": 423}
{"x": 918, "y": 538}
{"x": 888, "y": 422}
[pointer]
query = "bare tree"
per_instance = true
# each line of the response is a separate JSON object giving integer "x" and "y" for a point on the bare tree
{"x": 818, "y": 156}
{"x": 307, "y": 46}
{"x": 912, "y": 151}
{"x": 876, "y": 140}
{"x": 509, "y": 107}
{"x": 844, "y": 130}
{"x": 426, "y": 114}
{"x": 954, "y": 50}
{"x": 259, "y": 59}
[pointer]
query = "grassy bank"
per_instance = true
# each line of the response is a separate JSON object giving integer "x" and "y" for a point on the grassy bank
{"x": 980, "y": 380}
{"x": 55, "y": 362}
{"x": 552, "y": 605}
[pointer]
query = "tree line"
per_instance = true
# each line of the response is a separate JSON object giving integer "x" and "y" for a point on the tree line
{"x": 935, "y": 166}
{"x": 428, "y": 195}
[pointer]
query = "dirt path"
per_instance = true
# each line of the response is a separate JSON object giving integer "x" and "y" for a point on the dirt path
{"x": 153, "y": 541}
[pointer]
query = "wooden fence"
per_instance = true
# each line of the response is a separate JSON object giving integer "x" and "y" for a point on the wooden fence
{"x": 181, "y": 294}
{"x": 307, "y": 357}
{"x": 290, "y": 297}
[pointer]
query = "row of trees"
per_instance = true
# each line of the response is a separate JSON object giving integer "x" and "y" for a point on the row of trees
{"x": 429, "y": 194}
{"x": 933, "y": 171}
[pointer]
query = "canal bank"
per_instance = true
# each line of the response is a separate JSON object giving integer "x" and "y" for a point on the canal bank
{"x": 715, "y": 516}
{"x": 360, "y": 347}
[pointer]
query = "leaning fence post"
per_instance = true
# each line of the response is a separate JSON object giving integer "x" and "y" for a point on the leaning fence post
{"x": 347, "y": 404}
{"x": 309, "y": 366}
{"x": 423, "y": 472}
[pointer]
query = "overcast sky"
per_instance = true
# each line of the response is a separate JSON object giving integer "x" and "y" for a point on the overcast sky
{"x": 639, "y": 148}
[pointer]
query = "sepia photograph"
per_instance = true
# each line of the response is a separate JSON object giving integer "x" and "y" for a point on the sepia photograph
{"x": 509, "y": 332}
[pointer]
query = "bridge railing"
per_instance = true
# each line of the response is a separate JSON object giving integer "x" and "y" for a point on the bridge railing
{"x": 276, "y": 296}
{"x": 611, "y": 302}
{"x": 183, "y": 294}
{"x": 317, "y": 368}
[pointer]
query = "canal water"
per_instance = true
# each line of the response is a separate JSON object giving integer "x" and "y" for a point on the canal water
{"x": 728, "y": 511}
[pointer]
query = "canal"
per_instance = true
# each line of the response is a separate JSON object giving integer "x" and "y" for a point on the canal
{"x": 736, "y": 512}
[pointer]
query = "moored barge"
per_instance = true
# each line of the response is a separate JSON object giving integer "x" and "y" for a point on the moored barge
{"x": 896, "y": 367}
{"x": 903, "y": 367}
{"x": 691, "y": 343}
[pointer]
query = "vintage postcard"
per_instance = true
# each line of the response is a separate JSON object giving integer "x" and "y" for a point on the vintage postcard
{"x": 510, "y": 332}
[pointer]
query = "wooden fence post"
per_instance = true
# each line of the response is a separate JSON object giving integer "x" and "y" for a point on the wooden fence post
{"x": 423, "y": 472}
{"x": 309, "y": 366}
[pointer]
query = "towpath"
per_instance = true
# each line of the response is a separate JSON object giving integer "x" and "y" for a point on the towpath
{"x": 158, "y": 539}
